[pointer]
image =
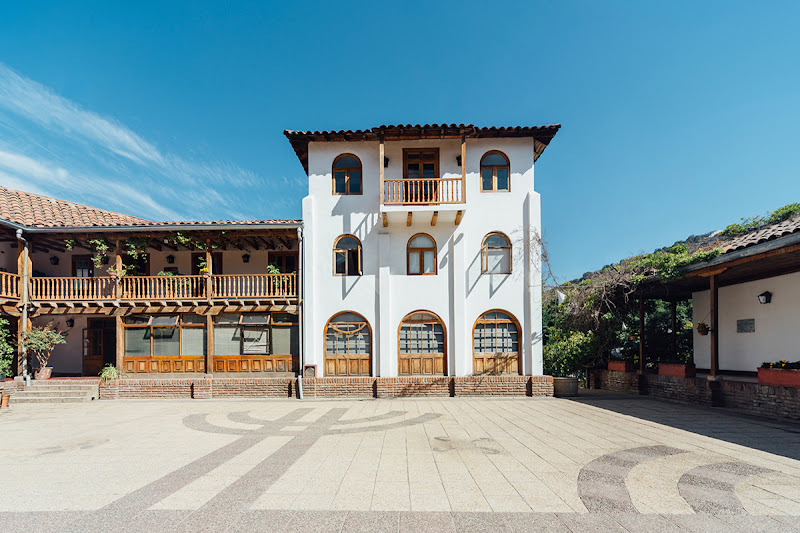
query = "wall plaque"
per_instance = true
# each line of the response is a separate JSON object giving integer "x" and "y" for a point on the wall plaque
{"x": 748, "y": 325}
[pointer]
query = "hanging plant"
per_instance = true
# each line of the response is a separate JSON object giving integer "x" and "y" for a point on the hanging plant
{"x": 702, "y": 328}
{"x": 136, "y": 247}
{"x": 99, "y": 248}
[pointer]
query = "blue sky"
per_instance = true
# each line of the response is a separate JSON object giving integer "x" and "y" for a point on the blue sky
{"x": 678, "y": 117}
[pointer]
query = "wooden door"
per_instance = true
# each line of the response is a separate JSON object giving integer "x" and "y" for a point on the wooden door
{"x": 421, "y": 172}
{"x": 495, "y": 344}
{"x": 348, "y": 346}
{"x": 422, "y": 348}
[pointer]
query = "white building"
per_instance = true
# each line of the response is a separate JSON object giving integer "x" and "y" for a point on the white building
{"x": 421, "y": 250}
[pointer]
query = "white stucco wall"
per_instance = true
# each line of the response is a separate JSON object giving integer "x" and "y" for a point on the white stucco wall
{"x": 776, "y": 336}
{"x": 459, "y": 293}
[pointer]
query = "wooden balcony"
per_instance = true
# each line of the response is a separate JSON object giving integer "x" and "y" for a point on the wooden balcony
{"x": 9, "y": 286}
{"x": 132, "y": 290}
{"x": 434, "y": 191}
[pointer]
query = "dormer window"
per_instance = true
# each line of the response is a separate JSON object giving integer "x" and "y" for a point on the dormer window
{"x": 347, "y": 175}
{"x": 495, "y": 172}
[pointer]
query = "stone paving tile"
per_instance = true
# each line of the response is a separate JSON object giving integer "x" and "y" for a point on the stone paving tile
{"x": 371, "y": 522}
{"x": 433, "y": 522}
{"x": 581, "y": 523}
{"x": 533, "y": 522}
{"x": 762, "y": 524}
{"x": 12, "y": 522}
{"x": 479, "y": 523}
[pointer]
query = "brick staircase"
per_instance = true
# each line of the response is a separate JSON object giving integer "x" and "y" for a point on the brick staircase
{"x": 57, "y": 391}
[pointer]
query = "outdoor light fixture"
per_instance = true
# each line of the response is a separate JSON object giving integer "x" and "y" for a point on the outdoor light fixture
{"x": 458, "y": 160}
{"x": 765, "y": 297}
{"x": 70, "y": 322}
{"x": 54, "y": 260}
{"x": 105, "y": 260}
{"x": 170, "y": 259}
{"x": 385, "y": 162}
{"x": 245, "y": 258}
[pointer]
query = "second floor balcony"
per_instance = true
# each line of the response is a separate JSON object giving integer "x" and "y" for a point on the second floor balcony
{"x": 423, "y": 191}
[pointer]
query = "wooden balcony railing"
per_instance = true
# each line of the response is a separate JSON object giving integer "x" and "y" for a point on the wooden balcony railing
{"x": 9, "y": 286}
{"x": 145, "y": 288}
{"x": 423, "y": 191}
{"x": 64, "y": 289}
{"x": 254, "y": 286}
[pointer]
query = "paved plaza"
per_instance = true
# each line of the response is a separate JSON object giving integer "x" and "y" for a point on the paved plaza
{"x": 598, "y": 463}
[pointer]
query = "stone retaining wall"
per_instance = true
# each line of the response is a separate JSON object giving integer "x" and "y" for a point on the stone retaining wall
{"x": 332, "y": 387}
{"x": 751, "y": 398}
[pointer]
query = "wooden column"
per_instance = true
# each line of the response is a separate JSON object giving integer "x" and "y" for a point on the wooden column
{"x": 118, "y": 266}
{"x": 673, "y": 312}
{"x": 641, "y": 334}
{"x": 463, "y": 168}
{"x": 24, "y": 268}
{"x": 120, "y": 342}
{"x": 714, "y": 326}
{"x": 209, "y": 344}
{"x": 210, "y": 267}
{"x": 381, "y": 159}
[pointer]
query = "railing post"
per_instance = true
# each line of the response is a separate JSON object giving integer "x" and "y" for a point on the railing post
{"x": 118, "y": 266}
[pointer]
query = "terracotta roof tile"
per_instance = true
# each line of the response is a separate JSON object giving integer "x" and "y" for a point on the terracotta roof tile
{"x": 767, "y": 233}
{"x": 38, "y": 211}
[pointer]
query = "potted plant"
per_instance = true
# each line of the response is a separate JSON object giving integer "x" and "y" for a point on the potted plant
{"x": 42, "y": 341}
{"x": 109, "y": 373}
{"x": 779, "y": 374}
{"x": 702, "y": 328}
{"x": 681, "y": 368}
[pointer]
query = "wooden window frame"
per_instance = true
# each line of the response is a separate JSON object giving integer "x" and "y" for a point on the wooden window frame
{"x": 216, "y": 262}
{"x": 511, "y": 320}
{"x": 407, "y": 151}
{"x": 485, "y": 254}
{"x": 345, "y": 251}
{"x": 179, "y": 325}
{"x": 273, "y": 255}
{"x": 437, "y": 320}
{"x": 421, "y": 252}
{"x": 270, "y": 322}
{"x": 75, "y": 267}
{"x": 494, "y": 168}
{"x": 346, "y": 176}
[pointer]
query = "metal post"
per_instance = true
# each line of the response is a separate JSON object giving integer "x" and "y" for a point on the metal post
{"x": 300, "y": 308}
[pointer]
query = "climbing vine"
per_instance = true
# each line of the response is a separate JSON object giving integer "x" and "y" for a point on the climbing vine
{"x": 752, "y": 223}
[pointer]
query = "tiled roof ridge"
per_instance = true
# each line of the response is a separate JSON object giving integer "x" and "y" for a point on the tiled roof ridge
{"x": 377, "y": 129}
{"x": 763, "y": 234}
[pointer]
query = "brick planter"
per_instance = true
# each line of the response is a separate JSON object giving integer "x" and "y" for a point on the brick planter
{"x": 777, "y": 377}
{"x": 621, "y": 366}
{"x": 679, "y": 370}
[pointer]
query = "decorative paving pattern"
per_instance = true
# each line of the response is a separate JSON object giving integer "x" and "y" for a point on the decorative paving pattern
{"x": 710, "y": 489}
{"x": 601, "y": 483}
{"x": 397, "y": 465}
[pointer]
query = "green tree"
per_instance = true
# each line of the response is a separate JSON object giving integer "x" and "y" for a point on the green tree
{"x": 7, "y": 349}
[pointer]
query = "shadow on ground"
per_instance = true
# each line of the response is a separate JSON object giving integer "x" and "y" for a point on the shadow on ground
{"x": 780, "y": 438}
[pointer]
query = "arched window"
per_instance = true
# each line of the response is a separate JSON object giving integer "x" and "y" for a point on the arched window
{"x": 421, "y": 345}
{"x": 347, "y": 256}
{"x": 346, "y": 175}
{"x": 421, "y": 254}
{"x": 495, "y": 172}
{"x": 348, "y": 345}
{"x": 495, "y": 344}
{"x": 496, "y": 254}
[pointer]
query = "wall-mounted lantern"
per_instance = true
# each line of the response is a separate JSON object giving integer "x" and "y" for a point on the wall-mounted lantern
{"x": 458, "y": 160}
{"x": 105, "y": 260}
{"x": 245, "y": 258}
{"x": 70, "y": 322}
{"x": 765, "y": 297}
{"x": 385, "y": 162}
{"x": 54, "y": 260}
{"x": 170, "y": 259}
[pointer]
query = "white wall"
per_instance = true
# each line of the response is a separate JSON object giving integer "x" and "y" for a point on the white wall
{"x": 777, "y": 335}
{"x": 459, "y": 293}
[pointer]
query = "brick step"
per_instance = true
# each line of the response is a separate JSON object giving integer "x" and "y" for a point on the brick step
{"x": 35, "y": 399}
{"x": 63, "y": 388}
{"x": 55, "y": 394}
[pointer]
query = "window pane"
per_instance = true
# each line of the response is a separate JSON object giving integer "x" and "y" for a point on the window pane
{"x": 193, "y": 341}
{"x": 355, "y": 182}
{"x": 339, "y": 182}
{"x": 164, "y": 320}
{"x": 494, "y": 159}
{"x": 413, "y": 263}
{"x": 496, "y": 241}
{"x": 255, "y": 319}
{"x": 137, "y": 342}
{"x": 502, "y": 179}
{"x": 486, "y": 179}
{"x": 165, "y": 342}
{"x": 285, "y": 340}
{"x": 499, "y": 261}
{"x": 227, "y": 340}
{"x": 429, "y": 262}
{"x": 255, "y": 340}
{"x": 347, "y": 161}
{"x": 193, "y": 319}
{"x": 421, "y": 241}
{"x": 284, "y": 318}
{"x": 352, "y": 263}
{"x": 340, "y": 259}
{"x": 227, "y": 318}
{"x": 346, "y": 243}
{"x": 137, "y": 319}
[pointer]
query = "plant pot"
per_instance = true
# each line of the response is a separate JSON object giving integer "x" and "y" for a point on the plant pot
{"x": 43, "y": 373}
{"x": 565, "y": 387}
{"x": 4, "y": 401}
{"x": 621, "y": 366}
{"x": 778, "y": 377}
{"x": 679, "y": 370}
{"x": 703, "y": 329}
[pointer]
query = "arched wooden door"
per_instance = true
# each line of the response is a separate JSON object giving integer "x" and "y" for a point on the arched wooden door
{"x": 495, "y": 344}
{"x": 422, "y": 350}
{"x": 348, "y": 345}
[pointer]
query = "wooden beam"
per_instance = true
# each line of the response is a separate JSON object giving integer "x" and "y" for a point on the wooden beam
{"x": 408, "y": 220}
{"x": 459, "y": 214}
{"x": 434, "y": 218}
{"x": 385, "y": 220}
{"x": 714, "y": 326}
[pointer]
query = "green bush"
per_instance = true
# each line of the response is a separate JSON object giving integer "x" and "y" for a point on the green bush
{"x": 567, "y": 352}
{"x": 6, "y": 349}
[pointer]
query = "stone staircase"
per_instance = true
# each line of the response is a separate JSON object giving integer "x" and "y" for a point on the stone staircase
{"x": 57, "y": 391}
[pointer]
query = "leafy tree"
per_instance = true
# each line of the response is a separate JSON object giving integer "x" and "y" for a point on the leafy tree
{"x": 7, "y": 349}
